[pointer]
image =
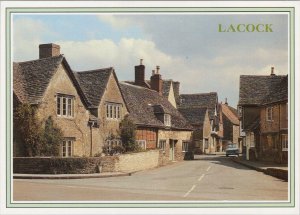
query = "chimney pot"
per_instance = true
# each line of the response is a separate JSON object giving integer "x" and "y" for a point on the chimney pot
{"x": 272, "y": 71}
{"x": 157, "y": 69}
{"x": 153, "y": 72}
{"x": 226, "y": 103}
{"x": 141, "y": 61}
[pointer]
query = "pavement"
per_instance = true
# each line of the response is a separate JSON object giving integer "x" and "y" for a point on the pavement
{"x": 70, "y": 176}
{"x": 277, "y": 170}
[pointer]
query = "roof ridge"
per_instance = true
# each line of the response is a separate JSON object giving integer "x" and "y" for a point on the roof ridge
{"x": 40, "y": 59}
{"x": 198, "y": 94}
{"x": 93, "y": 70}
{"x": 136, "y": 86}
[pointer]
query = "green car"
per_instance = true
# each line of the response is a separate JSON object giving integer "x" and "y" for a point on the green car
{"x": 232, "y": 149}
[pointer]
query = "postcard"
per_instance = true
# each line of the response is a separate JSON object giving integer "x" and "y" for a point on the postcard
{"x": 149, "y": 107}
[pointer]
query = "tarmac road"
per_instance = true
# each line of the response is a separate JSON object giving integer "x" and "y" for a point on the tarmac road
{"x": 205, "y": 178}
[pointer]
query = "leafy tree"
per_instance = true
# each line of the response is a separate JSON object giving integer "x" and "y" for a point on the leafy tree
{"x": 29, "y": 129}
{"x": 53, "y": 136}
{"x": 127, "y": 134}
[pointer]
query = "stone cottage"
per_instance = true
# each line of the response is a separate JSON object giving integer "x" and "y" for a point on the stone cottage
{"x": 159, "y": 124}
{"x": 188, "y": 103}
{"x": 263, "y": 111}
{"x": 87, "y": 106}
{"x": 231, "y": 126}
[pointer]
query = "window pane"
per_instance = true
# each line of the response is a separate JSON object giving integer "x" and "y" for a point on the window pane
{"x": 115, "y": 112}
{"x": 58, "y": 105}
{"x": 69, "y": 107}
{"x": 69, "y": 148}
{"x": 64, "y": 106}
{"x": 118, "y": 112}
{"x": 64, "y": 149}
{"x": 110, "y": 111}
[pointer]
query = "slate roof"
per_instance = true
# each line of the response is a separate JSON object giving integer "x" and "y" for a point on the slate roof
{"x": 195, "y": 116}
{"x": 230, "y": 113}
{"x": 208, "y": 100}
{"x": 31, "y": 78}
{"x": 254, "y": 89}
{"x": 93, "y": 83}
{"x": 278, "y": 93}
{"x": 142, "y": 104}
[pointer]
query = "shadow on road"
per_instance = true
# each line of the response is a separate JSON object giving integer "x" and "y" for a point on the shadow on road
{"x": 220, "y": 160}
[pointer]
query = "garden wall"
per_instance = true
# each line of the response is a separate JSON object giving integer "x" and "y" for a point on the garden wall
{"x": 80, "y": 165}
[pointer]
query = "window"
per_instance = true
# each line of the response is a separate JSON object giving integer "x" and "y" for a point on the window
{"x": 162, "y": 144}
{"x": 113, "y": 111}
{"x": 167, "y": 120}
{"x": 284, "y": 142}
{"x": 206, "y": 143}
{"x": 185, "y": 146}
{"x": 269, "y": 113}
{"x": 112, "y": 143}
{"x": 67, "y": 148}
{"x": 65, "y": 105}
{"x": 141, "y": 143}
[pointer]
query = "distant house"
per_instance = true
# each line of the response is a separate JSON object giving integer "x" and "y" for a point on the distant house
{"x": 192, "y": 102}
{"x": 199, "y": 119}
{"x": 263, "y": 109}
{"x": 231, "y": 126}
{"x": 87, "y": 106}
{"x": 159, "y": 124}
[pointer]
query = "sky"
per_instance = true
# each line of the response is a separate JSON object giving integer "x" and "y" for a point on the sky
{"x": 187, "y": 47}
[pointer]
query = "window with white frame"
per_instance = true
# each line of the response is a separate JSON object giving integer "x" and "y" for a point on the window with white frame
{"x": 167, "y": 120}
{"x": 284, "y": 142}
{"x": 65, "y": 105}
{"x": 162, "y": 145}
{"x": 112, "y": 143}
{"x": 67, "y": 148}
{"x": 185, "y": 146}
{"x": 142, "y": 144}
{"x": 113, "y": 111}
{"x": 269, "y": 113}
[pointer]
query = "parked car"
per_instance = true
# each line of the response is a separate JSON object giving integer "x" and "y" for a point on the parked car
{"x": 232, "y": 149}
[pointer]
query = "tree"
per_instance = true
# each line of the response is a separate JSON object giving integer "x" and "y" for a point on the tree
{"x": 53, "y": 136}
{"x": 29, "y": 128}
{"x": 127, "y": 134}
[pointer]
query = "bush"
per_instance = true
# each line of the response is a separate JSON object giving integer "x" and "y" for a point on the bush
{"x": 113, "y": 151}
{"x": 127, "y": 134}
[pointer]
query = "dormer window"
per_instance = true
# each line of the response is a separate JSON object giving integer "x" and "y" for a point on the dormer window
{"x": 167, "y": 119}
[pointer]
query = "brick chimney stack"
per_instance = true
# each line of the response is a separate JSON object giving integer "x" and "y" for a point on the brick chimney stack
{"x": 49, "y": 50}
{"x": 156, "y": 81}
{"x": 272, "y": 71}
{"x": 139, "y": 74}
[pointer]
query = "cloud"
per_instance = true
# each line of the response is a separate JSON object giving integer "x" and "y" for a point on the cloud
{"x": 27, "y": 35}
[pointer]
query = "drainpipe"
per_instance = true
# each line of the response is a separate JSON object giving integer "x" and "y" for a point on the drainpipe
{"x": 91, "y": 149}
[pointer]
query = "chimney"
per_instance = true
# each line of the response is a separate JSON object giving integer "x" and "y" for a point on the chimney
{"x": 272, "y": 71}
{"x": 156, "y": 81}
{"x": 226, "y": 103}
{"x": 176, "y": 86}
{"x": 139, "y": 74}
{"x": 49, "y": 50}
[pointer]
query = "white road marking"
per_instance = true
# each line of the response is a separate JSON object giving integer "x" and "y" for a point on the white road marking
{"x": 193, "y": 187}
{"x": 208, "y": 168}
{"x": 199, "y": 179}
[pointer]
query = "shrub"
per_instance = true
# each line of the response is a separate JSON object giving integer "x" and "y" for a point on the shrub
{"x": 127, "y": 134}
{"x": 29, "y": 129}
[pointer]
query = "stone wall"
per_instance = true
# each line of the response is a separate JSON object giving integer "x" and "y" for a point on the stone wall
{"x": 119, "y": 163}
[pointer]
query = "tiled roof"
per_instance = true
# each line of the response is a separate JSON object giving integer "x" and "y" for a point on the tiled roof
{"x": 230, "y": 113}
{"x": 142, "y": 104}
{"x": 195, "y": 116}
{"x": 255, "y": 89}
{"x": 93, "y": 83}
{"x": 208, "y": 100}
{"x": 31, "y": 78}
{"x": 278, "y": 93}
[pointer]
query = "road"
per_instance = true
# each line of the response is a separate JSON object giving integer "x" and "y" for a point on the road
{"x": 205, "y": 178}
